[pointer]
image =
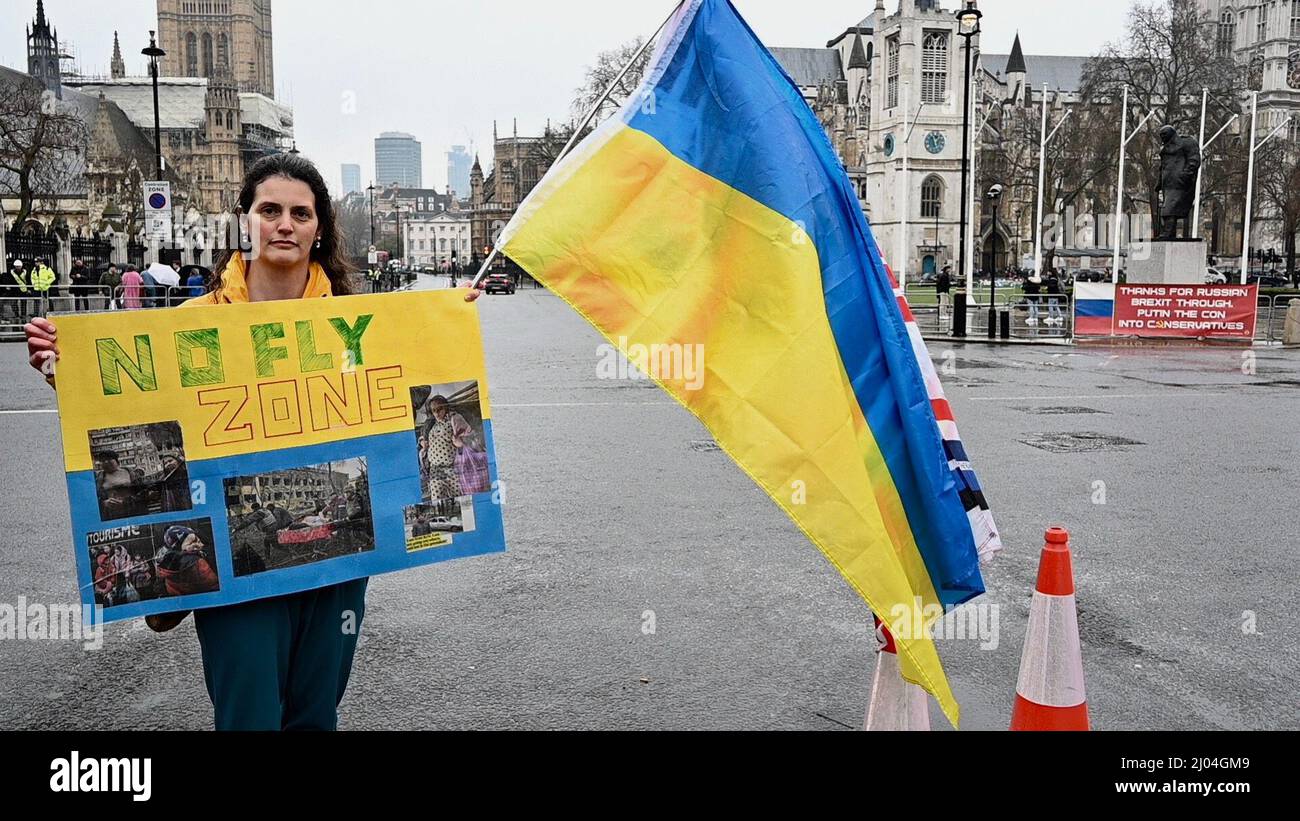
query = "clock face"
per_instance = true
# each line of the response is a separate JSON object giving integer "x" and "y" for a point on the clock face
{"x": 889, "y": 145}
{"x": 934, "y": 142}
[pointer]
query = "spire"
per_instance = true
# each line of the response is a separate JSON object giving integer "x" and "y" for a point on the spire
{"x": 858, "y": 57}
{"x": 118, "y": 69}
{"x": 1016, "y": 62}
{"x": 477, "y": 167}
{"x": 40, "y": 14}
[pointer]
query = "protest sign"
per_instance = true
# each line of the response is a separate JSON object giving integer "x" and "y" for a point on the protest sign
{"x": 218, "y": 454}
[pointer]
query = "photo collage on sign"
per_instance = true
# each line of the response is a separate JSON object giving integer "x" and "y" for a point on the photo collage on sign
{"x": 452, "y": 453}
{"x": 140, "y": 471}
{"x": 297, "y": 516}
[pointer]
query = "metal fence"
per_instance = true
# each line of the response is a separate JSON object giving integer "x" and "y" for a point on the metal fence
{"x": 17, "y": 307}
{"x": 1270, "y": 322}
{"x": 1050, "y": 319}
{"x": 1037, "y": 321}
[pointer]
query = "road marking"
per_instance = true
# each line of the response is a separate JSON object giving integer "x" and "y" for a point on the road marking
{"x": 33, "y": 410}
{"x": 577, "y": 404}
{"x": 1059, "y": 397}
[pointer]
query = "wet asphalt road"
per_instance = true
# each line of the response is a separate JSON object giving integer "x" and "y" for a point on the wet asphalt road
{"x": 620, "y": 520}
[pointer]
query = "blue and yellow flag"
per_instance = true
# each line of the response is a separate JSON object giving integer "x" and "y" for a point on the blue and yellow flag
{"x": 713, "y": 212}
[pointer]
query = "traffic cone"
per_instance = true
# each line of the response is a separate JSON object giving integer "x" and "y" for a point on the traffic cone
{"x": 895, "y": 704}
{"x": 1049, "y": 692}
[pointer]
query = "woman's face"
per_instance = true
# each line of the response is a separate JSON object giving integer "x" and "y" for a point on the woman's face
{"x": 284, "y": 221}
{"x": 439, "y": 410}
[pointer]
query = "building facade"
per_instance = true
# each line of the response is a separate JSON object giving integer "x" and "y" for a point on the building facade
{"x": 205, "y": 38}
{"x": 210, "y": 132}
{"x": 438, "y": 239}
{"x": 398, "y": 159}
{"x": 891, "y": 87}
{"x": 517, "y": 165}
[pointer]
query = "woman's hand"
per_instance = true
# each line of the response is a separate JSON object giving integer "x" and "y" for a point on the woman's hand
{"x": 474, "y": 293}
{"x": 42, "y": 346}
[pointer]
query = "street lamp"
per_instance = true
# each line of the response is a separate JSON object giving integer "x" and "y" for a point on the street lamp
{"x": 968, "y": 25}
{"x": 371, "y": 190}
{"x": 401, "y": 241}
{"x": 153, "y": 53}
{"x": 994, "y": 196}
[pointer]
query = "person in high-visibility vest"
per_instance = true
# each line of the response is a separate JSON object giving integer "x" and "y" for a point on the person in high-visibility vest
{"x": 42, "y": 278}
{"x": 18, "y": 280}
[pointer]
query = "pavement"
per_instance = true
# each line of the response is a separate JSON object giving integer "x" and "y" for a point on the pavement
{"x": 649, "y": 584}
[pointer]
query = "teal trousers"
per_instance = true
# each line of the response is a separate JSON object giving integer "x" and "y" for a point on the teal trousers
{"x": 281, "y": 663}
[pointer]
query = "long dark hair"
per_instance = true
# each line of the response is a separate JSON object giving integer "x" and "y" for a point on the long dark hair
{"x": 330, "y": 254}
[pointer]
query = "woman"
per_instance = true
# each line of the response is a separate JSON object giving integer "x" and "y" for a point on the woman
{"x": 445, "y": 433}
{"x": 283, "y": 662}
{"x": 182, "y": 566}
{"x": 132, "y": 284}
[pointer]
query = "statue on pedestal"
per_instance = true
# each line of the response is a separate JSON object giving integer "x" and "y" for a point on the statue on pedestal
{"x": 1180, "y": 159}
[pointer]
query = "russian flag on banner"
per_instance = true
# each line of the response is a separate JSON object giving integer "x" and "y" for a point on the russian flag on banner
{"x": 1094, "y": 308}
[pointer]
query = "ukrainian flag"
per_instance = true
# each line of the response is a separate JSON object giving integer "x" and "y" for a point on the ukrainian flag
{"x": 713, "y": 211}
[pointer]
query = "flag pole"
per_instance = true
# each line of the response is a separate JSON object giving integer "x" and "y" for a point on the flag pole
{"x": 587, "y": 121}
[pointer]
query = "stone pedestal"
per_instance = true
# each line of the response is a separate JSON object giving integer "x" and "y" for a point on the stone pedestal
{"x": 1167, "y": 262}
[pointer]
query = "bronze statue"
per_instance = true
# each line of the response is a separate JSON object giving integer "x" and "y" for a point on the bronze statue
{"x": 1180, "y": 158}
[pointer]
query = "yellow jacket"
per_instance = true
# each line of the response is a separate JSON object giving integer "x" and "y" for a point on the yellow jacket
{"x": 233, "y": 286}
{"x": 42, "y": 279}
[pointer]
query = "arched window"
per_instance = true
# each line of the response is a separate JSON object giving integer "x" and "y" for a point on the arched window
{"x": 934, "y": 66}
{"x": 1261, "y": 23}
{"x": 1295, "y": 19}
{"x": 891, "y": 72}
{"x": 191, "y": 55}
{"x": 932, "y": 197}
{"x": 223, "y": 52}
{"x": 207, "y": 54}
{"x": 1227, "y": 32}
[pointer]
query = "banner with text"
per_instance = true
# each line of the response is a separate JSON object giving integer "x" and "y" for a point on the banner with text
{"x": 1218, "y": 311}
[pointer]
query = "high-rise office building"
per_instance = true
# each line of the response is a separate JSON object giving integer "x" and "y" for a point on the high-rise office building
{"x": 458, "y": 165}
{"x": 351, "y": 178}
{"x": 397, "y": 160}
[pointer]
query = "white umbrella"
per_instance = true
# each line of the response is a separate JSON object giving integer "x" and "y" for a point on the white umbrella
{"x": 163, "y": 274}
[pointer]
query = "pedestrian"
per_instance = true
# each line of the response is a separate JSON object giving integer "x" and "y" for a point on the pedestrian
{"x": 943, "y": 289}
{"x": 43, "y": 278}
{"x": 281, "y": 662}
{"x": 109, "y": 282}
{"x": 132, "y": 285}
{"x": 18, "y": 287}
{"x": 1052, "y": 287}
{"x": 79, "y": 283}
{"x": 1032, "y": 288}
{"x": 150, "y": 287}
{"x": 196, "y": 282}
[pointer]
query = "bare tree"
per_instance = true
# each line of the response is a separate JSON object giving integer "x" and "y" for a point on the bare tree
{"x": 354, "y": 224}
{"x": 1076, "y": 160}
{"x": 39, "y": 139}
{"x": 1277, "y": 178}
{"x": 1168, "y": 54}
{"x": 601, "y": 75}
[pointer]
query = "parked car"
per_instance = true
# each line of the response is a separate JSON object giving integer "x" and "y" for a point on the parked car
{"x": 1266, "y": 280}
{"x": 498, "y": 283}
{"x": 1213, "y": 276}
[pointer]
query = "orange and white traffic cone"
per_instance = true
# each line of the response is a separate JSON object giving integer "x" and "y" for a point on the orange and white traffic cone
{"x": 896, "y": 704}
{"x": 1049, "y": 693}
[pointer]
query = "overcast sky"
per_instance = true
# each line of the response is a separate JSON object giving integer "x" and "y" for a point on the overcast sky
{"x": 444, "y": 70}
